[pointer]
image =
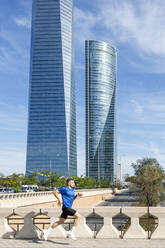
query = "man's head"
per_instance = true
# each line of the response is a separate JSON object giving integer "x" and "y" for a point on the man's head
{"x": 70, "y": 183}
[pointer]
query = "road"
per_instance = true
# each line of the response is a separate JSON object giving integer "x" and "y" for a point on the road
{"x": 121, "y": 199}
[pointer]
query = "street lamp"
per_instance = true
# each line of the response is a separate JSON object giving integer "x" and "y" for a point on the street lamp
{"x": 113, "y": 185}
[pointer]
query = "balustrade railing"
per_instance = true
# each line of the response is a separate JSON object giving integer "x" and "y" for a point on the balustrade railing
{"x": 97, "y": 222}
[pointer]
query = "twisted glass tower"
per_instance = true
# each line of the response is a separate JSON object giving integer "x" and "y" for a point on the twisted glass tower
{"x": 51, "y": 142}
{"x": 100, "y": 110}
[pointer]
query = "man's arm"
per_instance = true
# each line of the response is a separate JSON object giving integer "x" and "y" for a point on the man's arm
{"x": 56, "y": 193}
{"x": 78, "y": 195}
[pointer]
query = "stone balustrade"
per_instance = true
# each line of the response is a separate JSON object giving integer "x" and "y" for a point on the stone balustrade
{"x": 33, "y": 198}
{"x": 107, "y": 215}
{"x": 25, "y": 199}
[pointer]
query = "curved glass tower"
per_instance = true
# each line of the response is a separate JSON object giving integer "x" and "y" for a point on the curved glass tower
{"x": 100, "y": 110}
{"x": 51, "y": 143}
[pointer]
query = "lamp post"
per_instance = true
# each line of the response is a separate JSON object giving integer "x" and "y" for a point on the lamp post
{"x": 113, "y": 185}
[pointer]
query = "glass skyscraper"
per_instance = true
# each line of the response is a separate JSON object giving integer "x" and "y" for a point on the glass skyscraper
{"x": 100, "y": 110}
{"x": 51, "y": 142}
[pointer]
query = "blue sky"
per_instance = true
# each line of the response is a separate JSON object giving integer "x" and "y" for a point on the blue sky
{"x": 136, "y": 29}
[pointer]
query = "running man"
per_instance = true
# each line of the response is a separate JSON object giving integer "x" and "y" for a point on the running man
{"x": 68, "y": 196}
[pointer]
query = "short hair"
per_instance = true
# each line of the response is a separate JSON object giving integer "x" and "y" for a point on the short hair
{"x": 68, "y": 180}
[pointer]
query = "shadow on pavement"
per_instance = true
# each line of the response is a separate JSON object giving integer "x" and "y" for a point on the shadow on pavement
{"x": 58, "y": 243}
{"x": 121, "y": 200}
{"x": 37, "y": 241}
{"x": 41, "y": 242}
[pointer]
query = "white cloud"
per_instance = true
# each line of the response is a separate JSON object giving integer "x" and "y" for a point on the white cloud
{"x": 13, "y": 117}
{"x": 12, "y": 161}
{"x": 126, "y": 161}
{"x": 152, "y": 149}
{"x": 140, "y": 25}
{"x": 13, "y": 129}
{"x": 81, "y": 160}
{"x": 144, "y": 108}
{"x": 158, "y": 153}
{"x": 14, "y": 48}
{"x": 138, "y": 108}
{"x": 85, "y": 22}
{"x": 23, "y": 22}
{"x": 143, "y": 133}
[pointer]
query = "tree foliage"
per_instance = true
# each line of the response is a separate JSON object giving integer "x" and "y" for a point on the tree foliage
{"x": 148, "y": 181}
{"x": 50, "y": 180}
{"x": 15, "y": 181}
{"x": 130, "y": 179}
{"x": 145, "y": 162}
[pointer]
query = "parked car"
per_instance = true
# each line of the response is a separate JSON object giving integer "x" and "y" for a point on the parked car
{"x": 125, "y": 186}
{"x": 6, "y": 190}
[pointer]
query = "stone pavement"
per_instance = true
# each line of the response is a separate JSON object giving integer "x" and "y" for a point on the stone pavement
{"x": 83, "y": 243}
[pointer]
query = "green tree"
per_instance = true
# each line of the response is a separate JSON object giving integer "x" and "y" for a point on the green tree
{"x": 88, "y": 183}
{"x": 31, "y": 179}
{"x": 61, "y": 182}
{"x": 130, "y": 179}
{"x": 148, "y": 181}
{"x": 14, "y": 181}
{"x": 118, "y": 186}
{"x": 80, "y": 182}
{"x": 5, "y": 182}
{"x": 144, "y": 162}
{"x": 53, "y": 179}
{"x": 105, "y": 183}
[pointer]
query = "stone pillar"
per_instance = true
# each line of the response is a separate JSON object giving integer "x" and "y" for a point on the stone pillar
{"x": 159, "y": 212}
{"x": 135, "y": 231}
{"x": 82, "y": 230}
{"x": 108, "y": 230}
{"x": 5, "y": 230}
{"x": 28, "y": 231}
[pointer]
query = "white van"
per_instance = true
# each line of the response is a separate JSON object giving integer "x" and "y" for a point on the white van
{"x": 29, "y": 188}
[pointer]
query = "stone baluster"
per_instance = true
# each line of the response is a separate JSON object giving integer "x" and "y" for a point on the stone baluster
{"x": 135, "y": 231}
{"x": 108, "y": 230}
{"x": 159, "y": 212}
{"x": 82, "y": 230}
{"x": 5, "y": 230}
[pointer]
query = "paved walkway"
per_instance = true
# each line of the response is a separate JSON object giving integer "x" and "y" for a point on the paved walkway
{"x": 83, "y": 243}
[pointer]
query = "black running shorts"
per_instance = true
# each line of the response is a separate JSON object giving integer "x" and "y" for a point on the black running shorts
{"x": 66, "y": 212}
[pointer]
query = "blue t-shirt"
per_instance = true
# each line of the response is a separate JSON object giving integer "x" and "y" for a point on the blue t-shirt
{"x": 67, "y": 196}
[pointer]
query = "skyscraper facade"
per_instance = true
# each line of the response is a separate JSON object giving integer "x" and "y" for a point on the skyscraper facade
{"x": 51, "y": 141}
{"x": 100, "y": 110}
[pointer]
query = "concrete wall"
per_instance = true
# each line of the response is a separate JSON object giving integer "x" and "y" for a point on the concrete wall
{"x": 47, "y": 199}
{"x": 108, "y": 230}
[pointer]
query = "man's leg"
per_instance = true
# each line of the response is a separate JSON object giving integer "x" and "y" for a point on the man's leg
{"x": 60, "y": 222}
{"x": 76, "y": 221}
{"x": 45, "y": 233}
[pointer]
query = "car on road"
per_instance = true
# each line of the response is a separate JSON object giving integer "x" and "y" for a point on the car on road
{"x": 125, "y": 187}
{"x": 6, "y": 190}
